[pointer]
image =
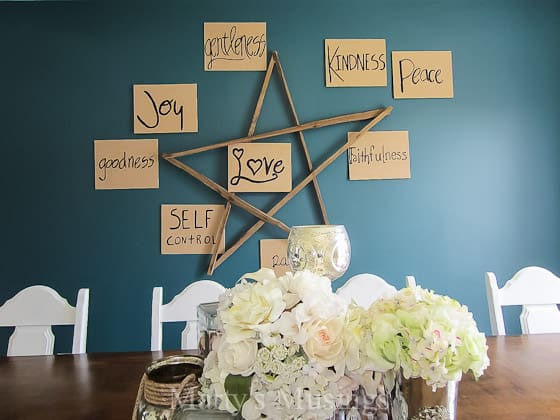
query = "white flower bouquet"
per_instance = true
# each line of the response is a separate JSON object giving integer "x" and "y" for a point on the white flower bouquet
{"x": 290, "y": 348}
{"x": 282, "y": 353}
{"x": 423, "y": 334}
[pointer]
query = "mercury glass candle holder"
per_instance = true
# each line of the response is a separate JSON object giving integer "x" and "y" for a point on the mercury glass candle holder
{"x": 321, "y": 249}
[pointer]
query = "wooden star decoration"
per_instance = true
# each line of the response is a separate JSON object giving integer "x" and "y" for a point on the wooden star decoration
{"x": 375, "y": 116}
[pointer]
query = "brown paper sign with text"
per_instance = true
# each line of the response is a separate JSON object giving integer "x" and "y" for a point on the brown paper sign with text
{"x": 234, "y": 46}
{"x": 165, "y": 108}
{"x": 379, "y": 155}
{"x": 191, "y": 229}
{"x": 355, "y": 62}
{"x": 126, "y": 164}
{"x": 274, "y": 254}
{"x": 422, "y": 74}
{"x": 260, "y": 167}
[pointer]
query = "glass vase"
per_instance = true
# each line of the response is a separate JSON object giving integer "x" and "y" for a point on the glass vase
{"x": 322, "y": 249}
{"x": 413, "y": 399}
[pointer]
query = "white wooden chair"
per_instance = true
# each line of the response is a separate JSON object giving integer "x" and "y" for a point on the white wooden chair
{"x": 537, "y": 290}
{"x": 364, "y": 289}
{"x": 183, "y": 307}
{"x": 33, "y": 311}
{"x": 410, "y": 281}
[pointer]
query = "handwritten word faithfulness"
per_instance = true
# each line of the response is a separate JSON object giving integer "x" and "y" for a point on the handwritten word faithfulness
{"x": 161, "y": 110}
{"x": 125, "y": 162}
{"x": 357, "y": 61}
{"x": 370, "y": 157}
{"x": 408, "y": 71}
{"x": 270, "y": 168}
{"x": 233, "y": 47}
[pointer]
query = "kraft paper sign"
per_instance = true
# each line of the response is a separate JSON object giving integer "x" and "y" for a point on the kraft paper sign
{"x": 274, "y": 254}
{"x": 234, "y": 46}
{"x": 126, "y": 164}
{"x": 422, "y": 74}
{"x": 191, "y": 229}
{"x": 165, "y": 108}
{"x": 379, "y": 155}
{"x": 355, "y": 62}
{"x": 260, "y": 167}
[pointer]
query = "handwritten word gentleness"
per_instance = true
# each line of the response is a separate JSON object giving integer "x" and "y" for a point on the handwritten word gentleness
{"x": 362, "y": 155}
{"x": 416, "y": 75}
{"x": 233, "y": 47}
{"x": 164, "y": 108}
{"x": 125, "y": 162}
{"x": 358, "y": 61}
{"x": 270, "y": 168}
{"x": 198, "y": 220}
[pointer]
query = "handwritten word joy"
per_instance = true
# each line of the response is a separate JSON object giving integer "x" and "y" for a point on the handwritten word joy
{"x": 261, "y": 170}
{"x": 231, "y": 46}
{"x": 161, "y": 109}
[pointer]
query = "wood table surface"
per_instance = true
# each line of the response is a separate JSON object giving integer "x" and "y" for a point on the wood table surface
{"x": 522, "y": 382}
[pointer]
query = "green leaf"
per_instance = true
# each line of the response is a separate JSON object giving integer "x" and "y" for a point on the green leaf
{"x": 238, "y": 389}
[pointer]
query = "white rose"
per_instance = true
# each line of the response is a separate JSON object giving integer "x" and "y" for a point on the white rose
{"x": 237, "y": 358}
{"x": 325, "y": 340}
{"x": 252, "y": 305}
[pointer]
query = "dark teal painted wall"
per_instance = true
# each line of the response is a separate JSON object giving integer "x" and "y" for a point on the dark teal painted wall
{"x": 485, "y": 187}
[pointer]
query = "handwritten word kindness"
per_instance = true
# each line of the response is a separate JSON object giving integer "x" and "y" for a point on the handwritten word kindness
{"x": 239, "y": 46}
{"x": 355, "y": 62}
{"x": 165, "y": 108}
{"x": 259, "y": 167}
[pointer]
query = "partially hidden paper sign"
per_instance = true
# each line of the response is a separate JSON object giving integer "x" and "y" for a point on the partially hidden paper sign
{"x": 422, "y": 74}
{"x": 191, "y": 229}
{"x": 234, "y": 46}
{"x": 274, "y": 255}
{"x": 355, "y": 62}
{"x": 379, "y": 155}
{"x": 260, "y": 167}
{"x": 126, "y": 164}
{"x": 165, "y": 108}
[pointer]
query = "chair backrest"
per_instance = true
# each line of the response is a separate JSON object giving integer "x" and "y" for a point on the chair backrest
{"x": 364, "y": 289}
{"x": 33, "y": 311}
{"x": 536, "y": 289}
{"x": 410, "y": 281}
{"x": 183, "y": 307}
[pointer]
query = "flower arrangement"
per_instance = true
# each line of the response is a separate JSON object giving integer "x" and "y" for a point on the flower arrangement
{"x": 281, "y": 354}
{"x": 424, "y": 334}
{"x": 293, "y": 349}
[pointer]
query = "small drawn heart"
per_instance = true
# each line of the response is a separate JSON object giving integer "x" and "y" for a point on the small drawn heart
{"x": 254, "y": 165}
{"x": 237, "y": 153}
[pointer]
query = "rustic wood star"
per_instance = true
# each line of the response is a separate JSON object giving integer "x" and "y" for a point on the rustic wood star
{"x": 375, "y": 116}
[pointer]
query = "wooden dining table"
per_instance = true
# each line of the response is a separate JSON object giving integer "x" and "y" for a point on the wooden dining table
{"x": 522, "y": 382}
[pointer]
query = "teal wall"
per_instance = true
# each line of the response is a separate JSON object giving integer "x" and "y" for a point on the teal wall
{"x": 485, "y": 188}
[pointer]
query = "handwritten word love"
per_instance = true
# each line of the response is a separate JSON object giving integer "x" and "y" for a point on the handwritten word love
{"x": 270, "y": 168}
